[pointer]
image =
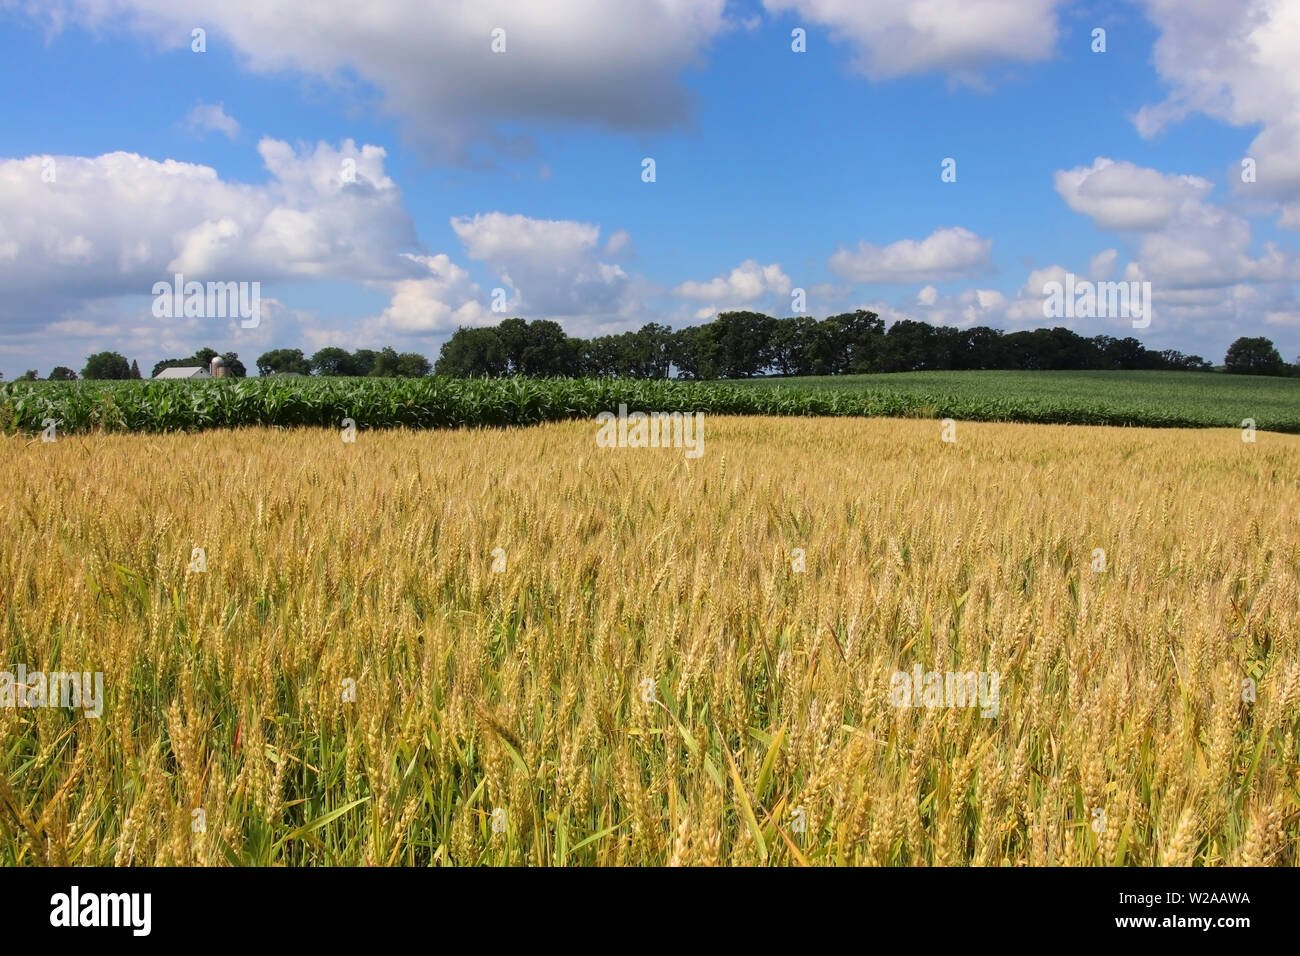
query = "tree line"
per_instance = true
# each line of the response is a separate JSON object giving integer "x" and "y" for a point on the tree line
{"x": 738, "y": 345}
{"x": 386, "y": 363}
{"x": 734, "y": 345}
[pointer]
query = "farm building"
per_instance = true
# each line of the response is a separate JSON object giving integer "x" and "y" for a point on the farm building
{"x": 189, "y": 371}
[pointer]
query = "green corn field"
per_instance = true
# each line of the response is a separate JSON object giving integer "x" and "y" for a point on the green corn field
{"x": 1161, "y": 399}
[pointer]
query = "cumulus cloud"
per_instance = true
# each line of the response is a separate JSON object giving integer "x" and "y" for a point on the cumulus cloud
{"x": 1207, "y": 246}
{"x": 964, "y": 309}
{"x": 1184, "y": 241}
{"x": 1121, "y": 195}
{"x": 554, "y": 265}
{"x": 212, "y": 117}
{"x": 969, "y": 308}
{"x": 1205, "y": 285}
{"x": 84, "y": 239}
{"x": 619, "y": 243}
{"x": 613, "y": 65}
{"x": 745, "y": 284}
{"x": 114, "y": 224}
{"x": 947, "y": 253}
{"x": 1235, "y": 62}
{"x": 1102, "y": 265}
{"x": 959, "y": 37}
{"x": 439, "y": 301}
{"x": 993, "y": 308}
{"x": 1200, "y": 304}
{"x": 1290, "y": 317}
{"x": 1209, "y": 282}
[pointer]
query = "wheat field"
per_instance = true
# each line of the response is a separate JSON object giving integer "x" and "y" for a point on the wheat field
{"x": 667, "y": 661}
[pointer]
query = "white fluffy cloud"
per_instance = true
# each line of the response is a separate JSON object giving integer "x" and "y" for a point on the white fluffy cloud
{"x": 554, "y": 265}
{"x": 1185, "y": 241}
{"x": 967, "y": 308}
{"x": 1235, "y": 62}
{"x": 1102, "y": 265}
{"x": 746, "y": 283}
{"x": 83, "y": 240}
{"x": 948, "y": 253}
{"x": 77, "y": 228}
{"x": 1207, "y": 247}
{"x": 439, "y": 301}
{"x": 962, "y": 310}
{"x": 990, "y": 307}
{"x": 1121, "y": 195}
{"x": 1208, "y": 281}
{"x": 1197, "y": 297}
{"x": 212, "y": 117}
{"x": 959, "y": 37}
{"x": 615, "y": 65}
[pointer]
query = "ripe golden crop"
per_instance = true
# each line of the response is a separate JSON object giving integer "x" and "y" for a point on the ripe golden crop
{"x": 513, "y": 646}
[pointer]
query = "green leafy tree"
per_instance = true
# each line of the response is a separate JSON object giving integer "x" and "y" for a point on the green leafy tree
{"x": 385, "y": 363}
{"x": 790, "y": 337}
{"x": 651, "y": 350}
{"x": 332, "y": 361}
{"x": 363, "y": 360}
{"x": 392, "y": 364}
{"x": 107, "y": 365}
{"x": 283, "y": 361}
{"x": 825, "y": 350}
{"x": 538, "y": 348}
{"x": 601, "y": 356}
{"x": 1254, "y": 356}
{"x": 744, "y": 343}
{"x": 979, "y": 347}
{"x": 548, "y": 350}
{"x": 1127, "y": 353}
{"x": 472, "y": 353}
{"x": 413, "y": 365}
{"x": 1173, "y": 359}
{"x": 696, "y": 352}
{"x": 135, "y": 369}
{"x": 234, "y": 367}
{"x": 61, "y": 373}
{"x": 862, "y": 335}
{"x": 513, "y": 334}
{"x": 740, "y": 344}
{"x": 28, "y": 376}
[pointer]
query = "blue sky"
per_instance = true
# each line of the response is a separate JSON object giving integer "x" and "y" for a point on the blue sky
{"x": 127, "y": 156}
